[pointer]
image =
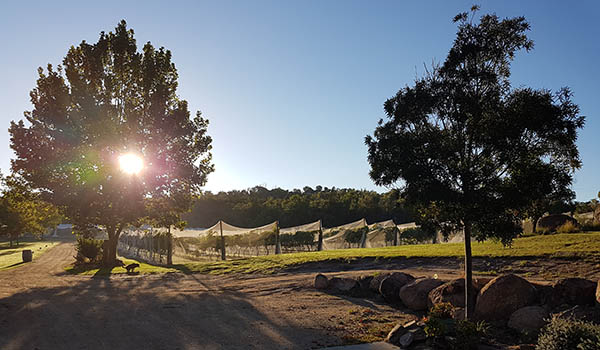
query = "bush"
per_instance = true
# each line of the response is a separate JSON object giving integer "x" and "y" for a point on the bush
{"x": 562, "y": 334}
{"x": 567, "y": 227}
{"x": 88, "y": 250}
{"x": 469, "y": 334}
{"x": 443, "y": 332}
{"x": 442, "y": 310}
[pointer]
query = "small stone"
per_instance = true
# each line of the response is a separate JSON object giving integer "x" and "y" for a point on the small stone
{"x": 394, "y": 335}
{"x": 321, "y": 281}
{"x": 418, "y": 333}
{"x": 406, "y": 340}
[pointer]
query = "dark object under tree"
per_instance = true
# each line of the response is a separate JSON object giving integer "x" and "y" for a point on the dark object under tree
{"x": 471, "y": 151}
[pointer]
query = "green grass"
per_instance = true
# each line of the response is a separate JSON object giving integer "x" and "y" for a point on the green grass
{"x": 12, "y": 257}
{"x": 144, "y": 269}
{"x": 568, "y": 246}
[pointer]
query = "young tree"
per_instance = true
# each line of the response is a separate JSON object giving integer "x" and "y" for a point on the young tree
{"x": 105, "y": 101}
{"x": 473, "y": 153}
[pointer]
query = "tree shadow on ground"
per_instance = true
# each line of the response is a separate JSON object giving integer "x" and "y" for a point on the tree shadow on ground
{"x": 143, "y": 313}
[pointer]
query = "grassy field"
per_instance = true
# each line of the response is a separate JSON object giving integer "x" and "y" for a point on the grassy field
{"x": 566, "y": 246}
{"x": 581, "y": 245}
{"x": 12, "y": 257}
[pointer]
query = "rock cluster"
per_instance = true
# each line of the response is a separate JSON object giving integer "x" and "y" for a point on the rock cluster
{"x": 507, "y": 299}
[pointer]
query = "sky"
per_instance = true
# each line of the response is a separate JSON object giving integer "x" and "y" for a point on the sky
{"x": 291, "y": 88}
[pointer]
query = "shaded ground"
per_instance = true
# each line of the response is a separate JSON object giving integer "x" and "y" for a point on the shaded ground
{"x": 43, "y": 307}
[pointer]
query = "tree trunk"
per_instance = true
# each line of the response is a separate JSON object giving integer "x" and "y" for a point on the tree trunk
{"x": 534, "y": 222}
{"x": 469, "y": 295}
{"x": 113, "y": 240}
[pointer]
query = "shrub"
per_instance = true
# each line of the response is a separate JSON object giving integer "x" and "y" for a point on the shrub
{"x": 88, "y": 250}
{"x": 442, "y": 310}
{"x": 469, "y": 334}
{"x": 569, "y": 334}
{"x": 443, "y": 332}
{"x": 567, "y": 227}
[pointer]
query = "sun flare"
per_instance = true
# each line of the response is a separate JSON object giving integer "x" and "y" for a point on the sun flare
{"x": 131, "y": 163}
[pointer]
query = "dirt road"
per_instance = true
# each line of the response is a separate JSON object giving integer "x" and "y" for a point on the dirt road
{"x": 43, "y": 308}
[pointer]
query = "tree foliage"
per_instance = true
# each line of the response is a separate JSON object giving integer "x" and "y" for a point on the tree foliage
{"x": 471, "y": 152}
{"x": 258, "y": 206}
{"x": 23, "y": 211}
{"x": 107, "y": 99}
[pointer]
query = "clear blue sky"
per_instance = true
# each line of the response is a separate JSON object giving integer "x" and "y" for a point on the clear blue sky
{"x": 292, "y": 87}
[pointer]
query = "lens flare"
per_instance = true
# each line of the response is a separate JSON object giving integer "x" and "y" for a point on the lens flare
{"x": 131, "y": 163}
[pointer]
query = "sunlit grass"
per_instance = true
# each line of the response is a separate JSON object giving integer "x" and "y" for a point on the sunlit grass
{"x": 101, "y": 271}
{"x": 566, "y": 246}
{"x": 582, "y": 245}
{"x": 12, "y": 257}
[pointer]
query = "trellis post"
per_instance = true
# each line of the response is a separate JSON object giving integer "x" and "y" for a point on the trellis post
{"x": 222, "y": 240}
{"x": 277, "y": 241}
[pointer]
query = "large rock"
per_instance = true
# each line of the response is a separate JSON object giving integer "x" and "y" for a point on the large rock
{"x": 529, "y": 319}
{"x": 321, "y": 281}
{"x": 376, "y": 281}
{"x": 343, "y": 285}
{"x": 390, "y": 286}
{"x": 452, "y": 292}
{"x": 502, "y": 296}
{"x": 573, "y": 291}
{"x": 415, "y": 294}
{"x": 364, "y": 282}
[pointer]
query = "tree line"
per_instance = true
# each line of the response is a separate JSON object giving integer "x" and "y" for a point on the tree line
{"x": 258, "y": 206}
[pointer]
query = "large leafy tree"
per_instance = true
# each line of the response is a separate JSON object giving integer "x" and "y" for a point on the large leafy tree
{"x": 470, "y": 152}
{"x": 105, "y": 100}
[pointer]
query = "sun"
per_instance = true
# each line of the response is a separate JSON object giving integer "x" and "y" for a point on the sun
{"x": 131, "y": 163}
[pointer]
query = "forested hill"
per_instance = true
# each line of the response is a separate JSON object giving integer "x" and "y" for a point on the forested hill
{"x": 258, "y": 206}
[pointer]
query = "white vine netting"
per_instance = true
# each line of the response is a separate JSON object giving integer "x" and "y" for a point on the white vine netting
{"x": 205, "y": 244}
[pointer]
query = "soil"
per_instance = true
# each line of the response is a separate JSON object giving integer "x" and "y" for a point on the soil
{"x": 42, "y": 307}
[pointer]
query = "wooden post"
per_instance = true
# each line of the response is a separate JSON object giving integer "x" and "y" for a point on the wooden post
{"x": 169, "y": 247}
{"x": 277, "y": 241}
{"x": 396, "y": 234}
{"x": 320, "y": 242}
{"x": 222, "y": 240}
{"x": 363, "y": 239}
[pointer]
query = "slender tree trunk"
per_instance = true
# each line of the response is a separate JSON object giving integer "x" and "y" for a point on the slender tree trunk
{"x": 469, "y": 295}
